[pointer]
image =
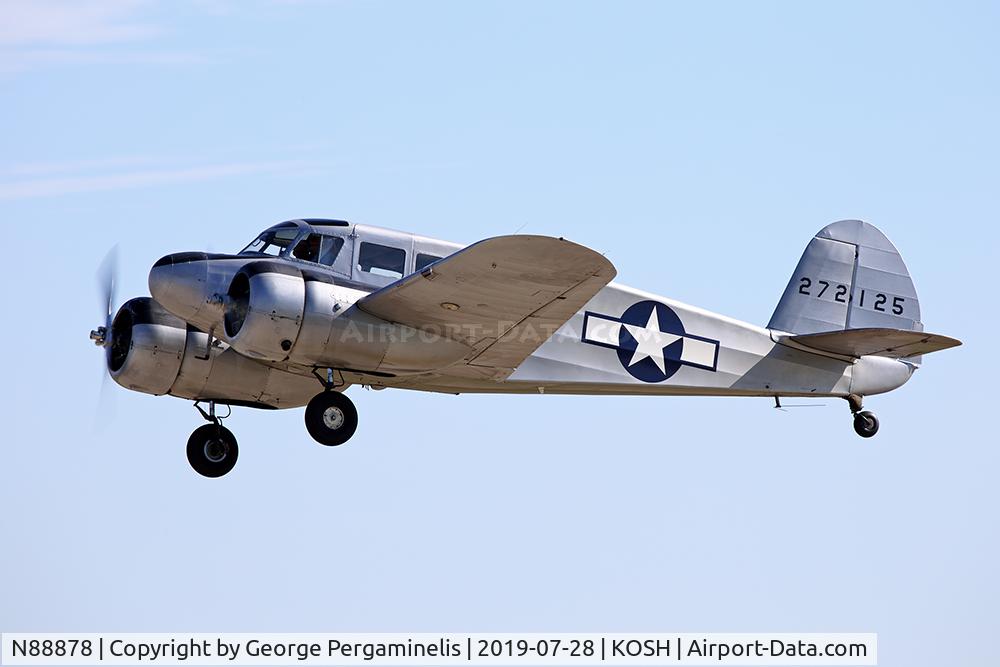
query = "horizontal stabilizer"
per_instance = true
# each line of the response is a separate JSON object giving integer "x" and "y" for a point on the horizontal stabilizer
{"x": 894, "y": 343}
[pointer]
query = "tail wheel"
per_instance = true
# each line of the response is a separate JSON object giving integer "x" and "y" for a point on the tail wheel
{"x": 331, "y": 418}
{"x": 865, "y": 424}
{"x": 212, "y": 450}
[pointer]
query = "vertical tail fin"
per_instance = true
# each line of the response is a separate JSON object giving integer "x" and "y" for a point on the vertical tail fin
{"x": 850, "y": 277}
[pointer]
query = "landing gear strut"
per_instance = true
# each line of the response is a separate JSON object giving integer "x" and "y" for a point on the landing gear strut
{"x": 865, "y": 422}
{"x": 331, "y": 417}
{"x": 212, "y": 450}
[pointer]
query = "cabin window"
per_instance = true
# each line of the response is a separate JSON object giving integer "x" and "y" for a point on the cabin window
{"x": 424, "y": 260}
{"x": 319, "y": 248}
{"x": 381, "y": 260}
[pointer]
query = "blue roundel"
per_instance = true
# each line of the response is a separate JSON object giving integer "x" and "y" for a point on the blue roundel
{"x": 639, "y": 365}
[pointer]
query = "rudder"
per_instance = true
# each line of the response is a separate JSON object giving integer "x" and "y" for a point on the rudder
{"x": 849, "y": 277}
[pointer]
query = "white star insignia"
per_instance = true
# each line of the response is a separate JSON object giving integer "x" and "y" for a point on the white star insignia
{"x": 650, "y": 341}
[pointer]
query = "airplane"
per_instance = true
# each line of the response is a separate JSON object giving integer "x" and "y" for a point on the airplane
{"x": 313, "y": 306}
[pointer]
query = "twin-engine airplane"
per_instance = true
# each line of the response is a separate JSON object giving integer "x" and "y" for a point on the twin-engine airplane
{"x": 317, "y": 304}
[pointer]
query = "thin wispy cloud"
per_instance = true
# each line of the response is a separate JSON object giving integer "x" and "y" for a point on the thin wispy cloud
{"x": 20, "y": 60}
{"x": 50, "y": 33}
{"x": 66, "y": 185}
{"x": 64, "y": 22}
{"x": 26, "y": 169}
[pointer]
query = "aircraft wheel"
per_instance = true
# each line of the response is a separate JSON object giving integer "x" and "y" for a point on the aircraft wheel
{"x": 331, "y": 418}
{"x": 865, "y": 424}
{"x": 212, "y": 450}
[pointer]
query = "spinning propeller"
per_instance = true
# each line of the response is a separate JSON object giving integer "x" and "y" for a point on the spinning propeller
{"x": 107, "y": 278}
{"x": 107, "y": 281}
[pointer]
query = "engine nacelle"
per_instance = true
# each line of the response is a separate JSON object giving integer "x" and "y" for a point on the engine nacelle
{"x": 147, "y": 346}
{"x": 155, "y": 352}
{"x": 264, "y": 310}
{"x": 279, "y": 313}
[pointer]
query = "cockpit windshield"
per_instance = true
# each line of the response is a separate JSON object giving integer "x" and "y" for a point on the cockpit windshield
{"x": 272, "y": 242}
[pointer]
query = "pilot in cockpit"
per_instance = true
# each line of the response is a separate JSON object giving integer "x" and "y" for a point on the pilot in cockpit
{"x": 308, "y": 248}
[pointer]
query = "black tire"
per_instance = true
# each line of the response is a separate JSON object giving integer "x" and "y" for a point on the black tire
{"x": 212, "y": 450}
{"x": 865, "y": 424}
{"x": 331, "y": 418}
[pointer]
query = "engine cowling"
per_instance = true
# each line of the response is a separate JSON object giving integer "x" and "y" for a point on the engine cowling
{"x": 157, "y": 353}
{"x": 147, "y": 346}
{"x": 264, "y": 310}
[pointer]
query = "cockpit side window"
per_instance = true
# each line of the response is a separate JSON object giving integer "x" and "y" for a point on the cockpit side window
{"x": 318, "y": 248}
{"x": 330, "y": 250}
{"x": 308, "y": 248}
{"x": 382, "y": 260}
{"x": 272, "y": 242}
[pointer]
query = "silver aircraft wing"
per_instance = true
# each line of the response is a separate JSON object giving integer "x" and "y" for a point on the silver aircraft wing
{"x": 880, "y": 342}
{"x": 503, "y": 297}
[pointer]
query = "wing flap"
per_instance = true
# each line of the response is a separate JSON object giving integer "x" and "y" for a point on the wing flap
{"x": 894, "y": 343}
{"x": 522, "y": 339}
{"x": 503, "y": 297}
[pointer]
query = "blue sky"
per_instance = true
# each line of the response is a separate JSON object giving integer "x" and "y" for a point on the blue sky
{"x": 698, "y": 145}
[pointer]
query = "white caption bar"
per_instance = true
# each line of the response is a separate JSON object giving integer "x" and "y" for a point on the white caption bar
{"x": 440, "y": 649}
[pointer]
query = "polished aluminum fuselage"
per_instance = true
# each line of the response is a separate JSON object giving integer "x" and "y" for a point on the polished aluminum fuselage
{"x": 331, "y": 332}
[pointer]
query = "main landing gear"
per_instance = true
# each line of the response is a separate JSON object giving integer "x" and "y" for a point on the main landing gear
{"x": 331, "y": 420}
{"x": 865, "y": 422}
{"x": 212, "y": 450}
{"x": 331, "y": 417}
